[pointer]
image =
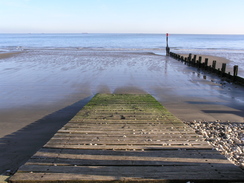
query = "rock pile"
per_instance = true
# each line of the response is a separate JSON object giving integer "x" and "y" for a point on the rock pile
{"x": 226, "y": 137}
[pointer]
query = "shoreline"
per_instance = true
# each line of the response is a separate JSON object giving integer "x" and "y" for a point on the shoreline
{"x": 4, "y": 55}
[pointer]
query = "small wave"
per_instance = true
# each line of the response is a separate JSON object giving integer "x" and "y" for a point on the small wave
{"x": 207, "y": 49}
{"x": 12, "y": 49}
{"x": 119, "y": 49}
{"x": 3, "y": 50}
{"x": 88, "y": 49}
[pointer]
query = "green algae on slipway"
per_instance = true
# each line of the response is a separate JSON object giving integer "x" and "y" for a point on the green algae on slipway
{"x": 124, "y": 104}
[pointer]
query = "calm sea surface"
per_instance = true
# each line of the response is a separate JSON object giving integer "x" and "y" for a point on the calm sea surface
{"x": 185, "y": 42}
{"x": 228, "y": 46}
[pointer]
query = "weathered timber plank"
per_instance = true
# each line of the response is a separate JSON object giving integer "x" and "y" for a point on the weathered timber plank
{"x": 122, "y": 140}
{"x": 149, "y": 121}
{"x": 108, "y": 132}
{"x": 127, "y": 174}
{"x": 46, "y": 153}
{"x": 128, "y": 147}
{"x": 75, "y": 168}
{"x": 131, "y": 126}
{"x": 97, "y": 161}
{"x": 167, "y": 153}
{"x": 116, "y": 137}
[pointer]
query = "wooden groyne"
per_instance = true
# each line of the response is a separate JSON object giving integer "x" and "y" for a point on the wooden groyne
{"x": 211, "y": 67}
{"x": 127, "y": 138}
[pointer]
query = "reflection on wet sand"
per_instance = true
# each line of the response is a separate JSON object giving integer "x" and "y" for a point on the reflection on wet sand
{"x": 49, "y": 78}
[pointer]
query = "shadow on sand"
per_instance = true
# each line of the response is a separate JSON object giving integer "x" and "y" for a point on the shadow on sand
{"x": 18, "y": 147}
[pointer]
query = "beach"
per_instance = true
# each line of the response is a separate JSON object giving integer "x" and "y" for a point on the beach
{"x": 43, "y": 89}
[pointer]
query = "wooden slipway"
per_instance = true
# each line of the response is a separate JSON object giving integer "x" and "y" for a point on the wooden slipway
{"x": 127, "y": 138}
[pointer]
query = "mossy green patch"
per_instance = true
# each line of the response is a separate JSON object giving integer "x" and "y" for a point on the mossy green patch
{"x": 124, "y": 105}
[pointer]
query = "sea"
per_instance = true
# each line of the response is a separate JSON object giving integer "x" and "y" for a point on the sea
{"x": 228, "y": 46}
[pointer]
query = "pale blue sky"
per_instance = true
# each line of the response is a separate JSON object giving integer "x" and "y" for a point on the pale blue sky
{"x": 122, "y": 16}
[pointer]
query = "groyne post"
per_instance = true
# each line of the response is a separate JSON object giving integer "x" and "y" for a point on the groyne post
{"x": 235, "y": 72}
{"x": 214, "y": 65}
{"x": 194, "y": 60}
{"x": 223, "y": 69}
{"x": 199, "y": 61}
{"x": 182, "y": 59}
{"x": 206, "y": 63}
{"x": 167, "y": 45}
{"x": 189, "y": 59}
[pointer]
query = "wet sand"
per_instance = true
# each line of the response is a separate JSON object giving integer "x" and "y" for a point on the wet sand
{"x": 7, "y": 55}
{"x": 42, "y": 90}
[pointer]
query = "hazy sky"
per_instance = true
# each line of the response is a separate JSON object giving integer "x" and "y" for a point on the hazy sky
{"x": 122, "y": 16}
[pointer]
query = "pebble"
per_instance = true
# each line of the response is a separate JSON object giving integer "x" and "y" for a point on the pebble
{"x": 226, "y": 137}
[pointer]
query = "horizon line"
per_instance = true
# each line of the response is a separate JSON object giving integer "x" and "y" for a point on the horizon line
{"x": 118, "y": 33}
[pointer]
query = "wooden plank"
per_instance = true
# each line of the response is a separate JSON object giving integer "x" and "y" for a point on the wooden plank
{"x": 98, "y": 161}
{"x": 167, "y": 169}
{"x": 128, "y": 147}
{"x": 127, "y": 174}
{"x": 126, "y": 138}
